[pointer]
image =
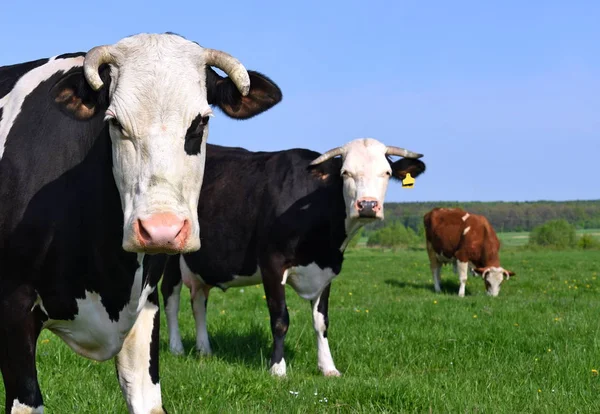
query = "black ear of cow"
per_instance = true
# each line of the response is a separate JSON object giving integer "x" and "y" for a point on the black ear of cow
{"x": 407, "y": 165}
{"x": 75, "y": 97}
{"x": 327, "y": 170}
{"x": 263, "y": 95}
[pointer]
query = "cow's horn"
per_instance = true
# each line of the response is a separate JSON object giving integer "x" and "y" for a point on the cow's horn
{"x": 329, "y": 154}
{"x": 231, "y": 66}
{"x": 402, "y": 152}
{"x": 93, "y": 59}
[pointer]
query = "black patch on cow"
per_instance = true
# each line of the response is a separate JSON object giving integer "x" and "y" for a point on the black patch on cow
{"x": 9, "y": 75}
{"x": 194, "y": 135}
{"x": 155, "y": 340}
{"x": 263, "y": 95}
{"x": 323, "y": 307}
{"x": 70, "y": 55}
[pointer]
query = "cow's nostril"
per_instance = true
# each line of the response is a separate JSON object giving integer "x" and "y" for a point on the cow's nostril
{"x": 143, "y": 232}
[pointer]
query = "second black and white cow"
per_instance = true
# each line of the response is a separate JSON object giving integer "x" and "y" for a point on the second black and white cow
{"x": 102, "y": 160}
{"x": 281, "y": 218}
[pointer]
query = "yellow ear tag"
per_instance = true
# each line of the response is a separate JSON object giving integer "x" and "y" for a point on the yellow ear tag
{"x": 408, "y": 181}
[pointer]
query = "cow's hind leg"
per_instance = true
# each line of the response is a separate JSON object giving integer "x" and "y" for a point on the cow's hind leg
{"x": 280, "y": 319}
{"x": 436, "y": 268}
{"x": 20, "y": 326}
{"x": 463, "y": 268}
{"x": 171, "y": 291}
{"x": 320, "y": 312}
{"x": 137, "y": 362}
{"x": 199, "y": 303}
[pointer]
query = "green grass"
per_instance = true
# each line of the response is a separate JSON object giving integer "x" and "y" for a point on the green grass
{"x": 400, "y": 346}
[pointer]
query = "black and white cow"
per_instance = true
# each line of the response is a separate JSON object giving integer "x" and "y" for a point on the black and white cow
{"x": 101, "y": 160}
{"x": 281, "y": 218}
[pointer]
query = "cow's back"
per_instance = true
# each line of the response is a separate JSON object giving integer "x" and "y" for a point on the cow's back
{"x": 444, "y": 229}
{"x": 246, "y": 197}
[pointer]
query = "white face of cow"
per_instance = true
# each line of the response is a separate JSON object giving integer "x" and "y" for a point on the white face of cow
{"x": 157, "y": 94}
{"x": 158, "y": 107}
{"x": 493, "y": 278}
{"x": 366, "y": 172}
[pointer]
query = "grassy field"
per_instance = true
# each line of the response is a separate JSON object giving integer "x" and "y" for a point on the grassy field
{"x": 401, "y": 347}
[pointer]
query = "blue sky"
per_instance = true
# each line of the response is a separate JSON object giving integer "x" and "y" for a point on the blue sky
{"x": 503, "y": 98}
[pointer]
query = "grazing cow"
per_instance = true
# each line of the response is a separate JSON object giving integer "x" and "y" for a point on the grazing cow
{"x": 102, "y": 160}
{"x": 281, "y": 218}
{"x": 466, "y": 240}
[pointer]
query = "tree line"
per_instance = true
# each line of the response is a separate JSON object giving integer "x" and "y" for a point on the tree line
{"x": 504, "y": 216}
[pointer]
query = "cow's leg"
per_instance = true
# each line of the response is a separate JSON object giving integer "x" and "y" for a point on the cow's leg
{"x": 199, "y": 303}
{"x": 463, "y": 268}
{"x": 436, "y": 268}
{"x": 19, "y": 330}
{"x": 171, "y": 291}
{"x": 280, "y": 319}
{"x": 137, "y": 362}
{"x": 320, "y": 312}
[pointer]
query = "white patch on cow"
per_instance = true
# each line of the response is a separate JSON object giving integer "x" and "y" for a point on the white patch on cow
{"x": 463, "y": 267}
{"x": 279, "y": 369}
{"x": 133, "y": 364}
{"x": 309, "y": 281}
{"x": 465, "y": 217}
{"x": 92, "y": 333}
{"x": 284, "y": 278}
{"x": 465, "y": 231}
{"x": 172, "y": 312}
{"x": 20, "y": 408}
{"x": 325, "y": 360}
{"x": 199, "y": 309}
{"x": 12, "y": 102}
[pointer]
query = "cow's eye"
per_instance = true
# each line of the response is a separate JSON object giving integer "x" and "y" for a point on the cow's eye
{"x": 116, "y": 124}
{"x": 345, "y": 173}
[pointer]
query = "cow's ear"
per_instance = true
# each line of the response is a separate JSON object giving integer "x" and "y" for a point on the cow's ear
{"x": 75, "y": 97}
{"x": 263, "y": 95}
{"x": 509, "y": 273}
{"x": 405, "y": 166}
{"x": 479, "y": 271}
{"x": 326, "y": 170}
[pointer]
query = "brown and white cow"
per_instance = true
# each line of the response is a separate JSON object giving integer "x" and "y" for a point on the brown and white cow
{"x": 466, "y": 240}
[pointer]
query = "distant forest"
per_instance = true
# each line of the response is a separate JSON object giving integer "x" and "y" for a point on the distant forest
{"x": 504, "y": 216}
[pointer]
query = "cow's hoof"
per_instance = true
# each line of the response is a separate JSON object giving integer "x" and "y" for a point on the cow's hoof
{"x": 278, "y": 369}
{"x": 204, "y": 352}
{"x": 176, "y": 349}
{"x": 332, "y": 373}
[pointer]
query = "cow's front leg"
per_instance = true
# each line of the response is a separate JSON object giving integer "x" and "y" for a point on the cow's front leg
{"x": 137, "y": 362}
{"x": 463, "y": 268}
{"x": 320, "y": 310}
{"x": 19, "y": 330}
{"x": 280, "y": 319}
